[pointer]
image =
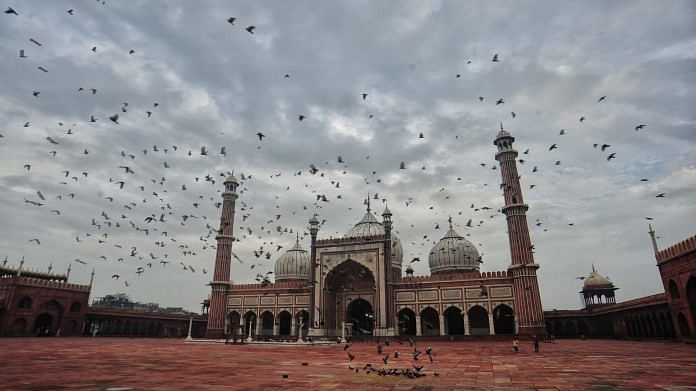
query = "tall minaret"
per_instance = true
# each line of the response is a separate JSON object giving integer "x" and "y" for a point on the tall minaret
{"x": 221, "y": 275}
{"x": 528, "y": 310}
{"x": 388, "y": 268}
{"x": 652, "y": 237}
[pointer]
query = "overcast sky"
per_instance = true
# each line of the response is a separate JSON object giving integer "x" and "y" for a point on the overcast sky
{"x": 423, "y": 66}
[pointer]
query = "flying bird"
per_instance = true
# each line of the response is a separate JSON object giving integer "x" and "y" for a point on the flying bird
{"x": 582, "y": 119}
{"x": 21, "y": 53}
{"x": 250, "y": 29}
{"x": 611, "y": 156}
{"x": 231, "y": 20}
{"x": 495, "y": 58}
{"x": 10, "y": 10}
{"x": 114, "y": 118}
{"x": 641, "y": 126}
{"x": 261, "y": 136}
{"x": 499, "y": 101}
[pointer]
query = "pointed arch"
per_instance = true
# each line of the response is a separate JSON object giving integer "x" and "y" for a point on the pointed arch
{"x": 691, "y": 297}
{"x": 407, "y": 322}
{"x": 284, "y": 323}
{"x": 267, "y": 323}
{"x": 478, "y": 320}
{"x": 454, "y": 321}
{"x": 503, "y": 319}
{"x": 430, "y": 322}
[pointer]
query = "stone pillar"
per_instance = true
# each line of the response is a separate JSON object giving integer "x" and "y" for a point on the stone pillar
{"x": 442, "y": 325}
{"x": 343, "y": 332}
{"x": 418, "y": 326}
{"x": 276, "y": 328}
{"x": 465, "y": 316}
{"x": 293, "y": 327}
{"x": 491, "y": 328}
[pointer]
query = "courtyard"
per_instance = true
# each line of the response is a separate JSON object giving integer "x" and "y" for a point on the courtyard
{"x": 166, "y": 364}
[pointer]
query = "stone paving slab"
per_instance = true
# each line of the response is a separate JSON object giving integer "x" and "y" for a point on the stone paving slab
{"x": 166, "y": 364}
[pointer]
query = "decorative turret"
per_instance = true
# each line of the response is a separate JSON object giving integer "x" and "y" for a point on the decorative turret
{"x": 597, "y": 289}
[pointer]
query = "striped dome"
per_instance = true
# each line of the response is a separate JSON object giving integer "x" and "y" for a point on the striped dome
{"x": 294, "y": 264}
{"x": 453, "y": 254}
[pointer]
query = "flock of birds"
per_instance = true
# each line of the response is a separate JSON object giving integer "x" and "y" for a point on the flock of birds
{"x": 410, "y": 365}
{"x": 149, "y": 205}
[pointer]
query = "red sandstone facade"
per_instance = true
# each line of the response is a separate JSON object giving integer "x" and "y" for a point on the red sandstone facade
{"x": 39, "y": 303}
{"x": 677, "y": 265}
{"x": 355, "y": 284}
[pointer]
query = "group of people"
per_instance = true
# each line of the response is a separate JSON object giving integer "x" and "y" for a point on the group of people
{"x": 516, "y": 343}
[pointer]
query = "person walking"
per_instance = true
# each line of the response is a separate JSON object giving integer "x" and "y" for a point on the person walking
{"x": 536, "y": 344}
{"x": 516, "y": 344}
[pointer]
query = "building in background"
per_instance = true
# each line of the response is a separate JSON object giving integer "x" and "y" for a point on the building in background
{"x": 43, "y": 303}
{"x": 670, "y": 314}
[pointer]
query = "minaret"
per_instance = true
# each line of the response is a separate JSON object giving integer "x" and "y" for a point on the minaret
{"x": 313, "y": 231}
{"x": 388, "y": 269}
{"x": 652, "y": 237}
{"x": 528, "y": 310}
{"x": 223, "y": 258}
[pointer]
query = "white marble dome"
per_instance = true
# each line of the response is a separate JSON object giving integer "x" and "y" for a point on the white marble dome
{"x": 596, "y": 280}
{"x": 294, "y": 264}
{"x": 370, "y": 226}
{"x": 453, "y": 254}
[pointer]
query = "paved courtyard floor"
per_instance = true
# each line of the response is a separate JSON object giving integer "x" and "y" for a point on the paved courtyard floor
{"x": 166, "y": 364}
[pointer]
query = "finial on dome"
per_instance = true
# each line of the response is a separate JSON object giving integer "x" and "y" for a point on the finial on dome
{"x": 501, "y": 125}
{"x": 5, "y": 261}
{"x": 450, "y": 221}
{"x": 368, "y": 202}
{"x": 297, "y": 240}
{"x": 593, "y": 269}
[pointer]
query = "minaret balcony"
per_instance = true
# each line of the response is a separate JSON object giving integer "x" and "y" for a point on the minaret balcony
{"x": 515, "y": 209}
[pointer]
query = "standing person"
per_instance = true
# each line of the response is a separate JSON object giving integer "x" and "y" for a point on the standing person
{"x": 536, "y": 344}
{"x": 516, "y": 344}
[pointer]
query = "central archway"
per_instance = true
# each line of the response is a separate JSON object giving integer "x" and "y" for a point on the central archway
{"x": 343, "y": 284}
{"x": 359, "y": 314}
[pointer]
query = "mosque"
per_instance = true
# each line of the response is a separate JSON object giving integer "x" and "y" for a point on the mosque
{"x": 357, "y": 284}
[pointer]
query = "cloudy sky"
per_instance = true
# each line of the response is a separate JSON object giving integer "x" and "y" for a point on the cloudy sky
{"x": 423, "y": 66}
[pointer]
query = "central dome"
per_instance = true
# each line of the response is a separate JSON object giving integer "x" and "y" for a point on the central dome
{"x": 294, "y": 264}
{"x": 453, "y": 254}
{"x": 370, "y": 226}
